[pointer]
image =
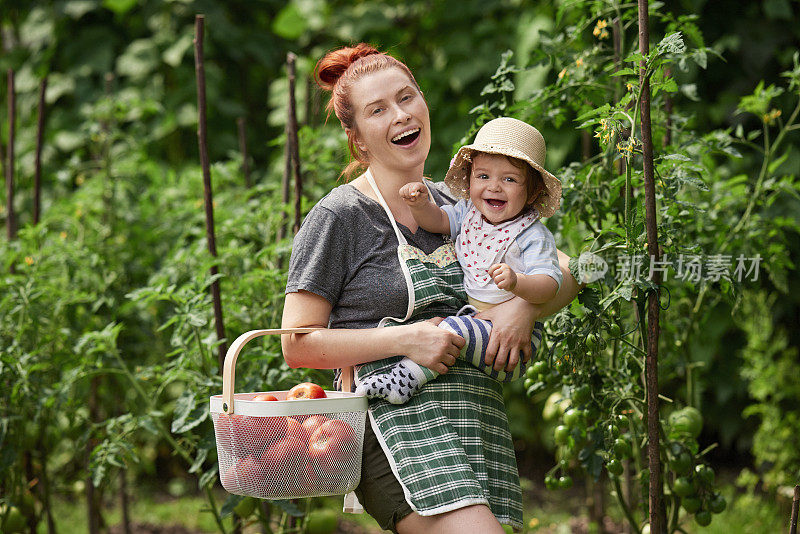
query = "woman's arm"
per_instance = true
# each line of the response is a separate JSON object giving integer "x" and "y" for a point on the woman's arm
{"x": 513, "y": 321}
{"x": 423, "y": 342}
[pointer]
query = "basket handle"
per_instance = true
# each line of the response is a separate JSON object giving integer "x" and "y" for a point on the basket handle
{"x": 229, "y": 367}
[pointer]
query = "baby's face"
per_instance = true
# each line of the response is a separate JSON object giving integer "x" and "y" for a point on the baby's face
{"x": 497, "y": 187}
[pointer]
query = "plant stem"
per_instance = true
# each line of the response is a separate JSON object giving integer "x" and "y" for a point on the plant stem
{"x": 627, "y": 511}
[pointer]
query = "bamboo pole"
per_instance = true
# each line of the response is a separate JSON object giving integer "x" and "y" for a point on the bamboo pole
{"x": 293, "y": 142}
{"x": 240, "y": 127}
{"x": 795, "y": 505}
{"x": 202, "y": 142}
{"x": 11, "y": 223}
{"x": 657, "y": 523}
{"x": 37, "y": 177}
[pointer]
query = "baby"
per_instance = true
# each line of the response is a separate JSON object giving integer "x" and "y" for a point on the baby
{"x": 502, "y": 247}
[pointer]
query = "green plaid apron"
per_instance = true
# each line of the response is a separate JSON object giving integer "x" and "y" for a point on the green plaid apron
{"x": 450, "y": 445}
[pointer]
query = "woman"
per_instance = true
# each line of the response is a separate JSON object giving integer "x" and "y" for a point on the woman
{"x": 444, "y": 462}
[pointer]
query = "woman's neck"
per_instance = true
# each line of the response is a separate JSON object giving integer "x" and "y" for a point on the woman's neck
{"x": 389, "y": 183}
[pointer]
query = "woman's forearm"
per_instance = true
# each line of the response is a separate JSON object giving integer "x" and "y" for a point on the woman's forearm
{"x": 334, "y": 348}
{"x": 566, "y": 294}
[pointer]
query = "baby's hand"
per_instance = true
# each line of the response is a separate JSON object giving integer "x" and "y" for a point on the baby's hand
{"x": 415, "y": 194}
{"x": 504, "y": 276}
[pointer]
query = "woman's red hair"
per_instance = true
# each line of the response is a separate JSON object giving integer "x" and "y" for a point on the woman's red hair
{"x": 337, "y": 72}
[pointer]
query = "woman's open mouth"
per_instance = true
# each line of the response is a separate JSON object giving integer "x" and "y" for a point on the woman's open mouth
{"x": 406, "y": 138}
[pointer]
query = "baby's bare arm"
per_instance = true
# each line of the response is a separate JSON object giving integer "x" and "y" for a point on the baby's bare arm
{"x": 427, "y": 214}
{"x": 535, "y": 288}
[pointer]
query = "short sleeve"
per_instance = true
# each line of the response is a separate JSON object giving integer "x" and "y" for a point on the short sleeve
{"x": 539, "y": 254}
{"x": 319, "y": 257}
{"x": 456, "y": 214}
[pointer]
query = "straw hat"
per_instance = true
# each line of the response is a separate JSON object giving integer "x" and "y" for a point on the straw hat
{"x": 509, "y": 137}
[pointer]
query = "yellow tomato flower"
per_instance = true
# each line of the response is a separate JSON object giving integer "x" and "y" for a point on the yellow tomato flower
{"x": 62, "y": 235}
{"x": 579, "y": 62}
{"x": 28, "y": 260}
{"x": 533, "y": 523}
{"x": 562, "y": 73}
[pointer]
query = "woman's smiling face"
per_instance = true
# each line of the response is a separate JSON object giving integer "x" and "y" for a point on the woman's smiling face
{"x": 392, "y": 124}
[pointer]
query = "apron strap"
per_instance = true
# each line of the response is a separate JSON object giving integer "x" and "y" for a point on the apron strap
{"x": 400, "y": 237}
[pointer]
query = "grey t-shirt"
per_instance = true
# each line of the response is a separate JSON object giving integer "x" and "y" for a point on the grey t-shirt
{"x": 346, "y": 252}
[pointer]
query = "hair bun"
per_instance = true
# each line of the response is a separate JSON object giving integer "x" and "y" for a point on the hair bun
{"x": 331, "y": 67}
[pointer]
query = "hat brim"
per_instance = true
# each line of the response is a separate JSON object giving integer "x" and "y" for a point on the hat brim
{"x": 457, "y": 177}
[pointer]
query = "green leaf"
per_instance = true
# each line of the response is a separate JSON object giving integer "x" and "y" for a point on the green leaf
{"x": 209, "y": 477}
{"x": 173, "y": 55}
{"x": 593, "y": 112}
{"x": 290, "y": 23}
{"x": 120, "y": 7}
{"x": 188, "y": 414}
{"x": 289, "y": 507}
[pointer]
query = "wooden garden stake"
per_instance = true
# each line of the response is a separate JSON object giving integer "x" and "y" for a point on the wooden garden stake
{"x": 795, "y": 505}
{"x": 11, "y": 223}
{"x": 657, "y": 523}
{"x": 37, "y": 177}
{"x": 240, "y": 127}
{"x": 293, "y": 142}
{"x": 202, "y": 143}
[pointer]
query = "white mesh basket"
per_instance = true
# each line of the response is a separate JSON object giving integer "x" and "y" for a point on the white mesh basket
{"x": 286, "y": 449}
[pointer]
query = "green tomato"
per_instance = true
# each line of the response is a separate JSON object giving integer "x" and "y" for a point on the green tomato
{"x": 717, "y": 504}
{"x": 538, "y": 368}
{"x": 245, "y": 507}
{"x": 613, "y": 430}
{"x": 554, "y": 406}
{"x": 565, "y": 482}
{"x": 622, "y": 449}
{"x": 581, "y": 394}
{"x": 322, "y": 521}
{"x": 614, "y": 330}
{"x": 550, "y": 482}
{"x": 530, "y": 372}
{"x": 687, "y": 421}
{"x": 14, "y": 521}
{"x": 703, "y": 518}
{"x": 621, "y": 421}
{"x": 528, "y": 383}
{"x": 681, "y": 463}
{"x": 614, "y": 467}
{"x": 591, "y": 342}
{"x": 561, "y": 435}
{"x": 691, "y": 504}
{"x": 683, "y": 487}
{"x": 705, "y": 473}
{"x": 573, "y": 417}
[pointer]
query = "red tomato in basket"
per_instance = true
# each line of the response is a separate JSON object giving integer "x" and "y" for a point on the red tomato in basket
{"x": 331, "y": 445}
{"x": 285, "y": 461}
{"x": 295, "y": 430}
{"x": 306, "y": 390}
{"x": 265, "y": 397}
{"x": 311, "y": 424}
{"x": 243, "y": 475}
{"x": 249, "y": 435}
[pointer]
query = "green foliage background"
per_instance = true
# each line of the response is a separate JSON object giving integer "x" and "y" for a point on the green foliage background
{"x": 110, "y": 291}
